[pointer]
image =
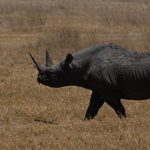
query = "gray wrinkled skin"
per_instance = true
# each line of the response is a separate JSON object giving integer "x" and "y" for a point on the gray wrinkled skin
{"x": 110, "y": 71}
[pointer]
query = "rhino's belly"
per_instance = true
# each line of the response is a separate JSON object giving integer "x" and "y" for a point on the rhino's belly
{"x": 135, "y": 92}
{"x": 135, "y": 96}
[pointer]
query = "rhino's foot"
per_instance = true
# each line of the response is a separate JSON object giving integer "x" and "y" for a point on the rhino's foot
{"x": 121, "y": 115}
{"x": 89, "y": 117}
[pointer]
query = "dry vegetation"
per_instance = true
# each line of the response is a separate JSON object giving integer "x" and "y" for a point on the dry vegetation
{"x": 38, "y": 117}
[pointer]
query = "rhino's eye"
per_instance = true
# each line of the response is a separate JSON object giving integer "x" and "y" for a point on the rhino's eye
{"x": 42, "y": 73}
{"x": 51, "y": 73}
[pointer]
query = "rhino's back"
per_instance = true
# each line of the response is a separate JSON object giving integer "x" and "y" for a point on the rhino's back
{"x": 107, "y": 52}
{"x": 103, "y": 50}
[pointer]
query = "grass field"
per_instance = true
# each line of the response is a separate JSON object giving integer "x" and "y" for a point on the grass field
{"x": 34, "y": 116}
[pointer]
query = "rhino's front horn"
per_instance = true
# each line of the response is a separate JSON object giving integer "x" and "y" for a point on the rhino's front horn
{"x": 48, "y": 60}
{"x": 39, "y": 66}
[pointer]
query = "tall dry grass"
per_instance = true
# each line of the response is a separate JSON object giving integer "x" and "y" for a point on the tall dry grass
{"x": 33, "y": 116}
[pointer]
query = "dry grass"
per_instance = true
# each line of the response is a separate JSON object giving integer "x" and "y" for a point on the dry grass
{"x": 38, "y": 117}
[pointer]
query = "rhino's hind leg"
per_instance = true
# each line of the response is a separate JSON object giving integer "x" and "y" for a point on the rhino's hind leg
{"x": 113, "y": 100}
{"x": 95, "y": 103}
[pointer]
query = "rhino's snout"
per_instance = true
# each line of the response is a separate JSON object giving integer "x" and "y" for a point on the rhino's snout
{"x": 39, "y": 79}
{"x": 42, "y": 80}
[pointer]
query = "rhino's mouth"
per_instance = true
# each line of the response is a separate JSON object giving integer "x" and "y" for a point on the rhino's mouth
{"x": 60, "y": 78}
{"x": 41, "y": 80}
{"x": 46, "y": 80}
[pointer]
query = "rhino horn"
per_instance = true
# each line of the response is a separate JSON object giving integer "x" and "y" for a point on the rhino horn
{"x": 48, "y": 60}
{"x": 39, "y": 66}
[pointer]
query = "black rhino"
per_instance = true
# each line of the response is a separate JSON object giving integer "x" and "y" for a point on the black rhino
{"x": 110, "y": 71}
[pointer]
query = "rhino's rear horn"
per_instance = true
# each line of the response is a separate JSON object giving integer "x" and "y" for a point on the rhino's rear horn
{"x": 48, "y": 60}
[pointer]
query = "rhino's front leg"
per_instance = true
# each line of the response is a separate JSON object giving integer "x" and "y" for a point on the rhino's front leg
{"x": 95, "y": 103}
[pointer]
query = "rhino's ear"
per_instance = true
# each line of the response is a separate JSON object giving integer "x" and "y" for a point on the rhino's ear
{"x": 68, "y": 59}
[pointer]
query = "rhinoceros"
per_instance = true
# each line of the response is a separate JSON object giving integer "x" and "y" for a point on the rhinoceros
{"x": 110, "y": 71}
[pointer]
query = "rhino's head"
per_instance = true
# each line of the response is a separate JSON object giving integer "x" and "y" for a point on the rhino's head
{"x": 53, "y": 75}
